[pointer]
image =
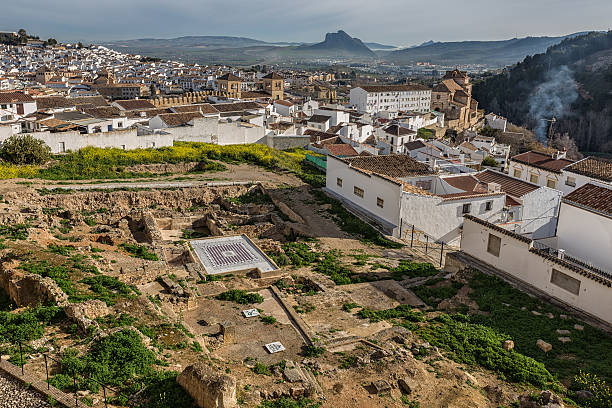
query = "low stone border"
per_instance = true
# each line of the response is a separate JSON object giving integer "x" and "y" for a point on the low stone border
{"x": 293, "y": 315}
{"x": 66, "y": 400}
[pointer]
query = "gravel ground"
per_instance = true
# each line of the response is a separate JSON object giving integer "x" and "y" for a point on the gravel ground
{"x": 14, "y": 395}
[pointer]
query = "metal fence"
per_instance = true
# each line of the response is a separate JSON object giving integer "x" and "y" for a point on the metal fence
{"x": 425, "y": 244}
{"x": 574, "y": 260}
{"x": 77, "y": 378}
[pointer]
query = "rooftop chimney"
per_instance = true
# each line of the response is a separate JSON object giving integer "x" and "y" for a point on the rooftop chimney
{"x": 493, "y": 188}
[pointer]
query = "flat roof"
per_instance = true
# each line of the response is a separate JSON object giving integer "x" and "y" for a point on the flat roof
{"x": 229, "y": 254}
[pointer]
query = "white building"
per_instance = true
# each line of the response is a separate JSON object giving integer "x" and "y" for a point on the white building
{"x": 539, "y": 168}
{"x": 585, "y": 225}
{"x": 391, "y": 98}
{"x": 15, "y": 105}
{"x": 560, "y": 173}
{"x": 496, "y": 122}
{"x": 585, "y": 290}
{"x": 396, "y": 192}
{"x": 530, "y": 210}
{"x": 284, "y": 108}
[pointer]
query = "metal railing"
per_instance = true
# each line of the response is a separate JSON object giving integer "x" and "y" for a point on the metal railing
{"x": 570, "y": 258}
{"x": 424, "y": 243}
{"x": 77, "y": 378}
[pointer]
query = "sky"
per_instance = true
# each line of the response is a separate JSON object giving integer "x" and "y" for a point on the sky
{"x": 395, "y": 22}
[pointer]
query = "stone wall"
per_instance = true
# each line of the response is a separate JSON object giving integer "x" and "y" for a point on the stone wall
{"x": 25, "y": 289}
{"x": 282, "y": 142}
{"x": 208, "y": 388}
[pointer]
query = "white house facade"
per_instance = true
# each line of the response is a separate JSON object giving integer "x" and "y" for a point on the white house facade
{"x": 391, "y": 98}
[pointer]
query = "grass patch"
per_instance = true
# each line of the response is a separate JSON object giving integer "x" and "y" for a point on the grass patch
{"x": 476, "y": 344}
{"x": 590, "y": 347}
{"x": 15, "y": 232}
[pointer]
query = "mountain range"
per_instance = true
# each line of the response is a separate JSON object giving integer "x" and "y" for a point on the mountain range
{"x": 338, "y": 45}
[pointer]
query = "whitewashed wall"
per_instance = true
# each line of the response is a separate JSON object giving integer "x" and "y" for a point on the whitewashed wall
{"x": 516, "y": 260}
{"x": 585, "y": 235}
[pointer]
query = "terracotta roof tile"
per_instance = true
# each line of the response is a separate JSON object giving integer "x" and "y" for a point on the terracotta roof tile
{"x": 593, "y": 167}
{"x": 592, "y": 197}
{"x": 341, "y": 150}
{"x": 510, "y": 185}
{"x": 132, "y": 104}
{"x": 542, "y": 161}
{"x": 394, "y": 165}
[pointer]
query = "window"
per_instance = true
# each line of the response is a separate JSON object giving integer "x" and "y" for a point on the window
{"x": 551, "y": 183}
{"x": 570, "y": 181}
{"x": 380, "y": 202}
{"x": 488, "y": 205}
{"x": 494, "y": 245}
{"x": 339, "y": 182}
{"x": 533, "y": 178}
{"x": 517, "y": 173}
{"x": 466, "y": 208}
{"x": 62, "y": 147}
{"x": 358, "y": 191}
{"x": 564, "y": 281}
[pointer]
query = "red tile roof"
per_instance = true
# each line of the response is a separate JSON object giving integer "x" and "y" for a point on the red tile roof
{"x": 542, "y": 161}
{"x": 132, "y": 104}
{"x": 592, "y": 197}
{"x": 510, "y": 185}
{"x": 593, "y": 167}
{"x": 341, "y": 150}
{"x": 394, "y": 165}
{"x": 15, "y": 97}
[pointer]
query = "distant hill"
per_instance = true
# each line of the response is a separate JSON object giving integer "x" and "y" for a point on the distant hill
{"x": 571, "y": 81}
{"x": 337, "y": 44}
{"x": 377, "y": 46}
{"x": 490, "y": 53}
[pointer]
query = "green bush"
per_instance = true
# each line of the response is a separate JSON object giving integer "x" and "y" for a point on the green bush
{"x": 29, "y": 324}
{"x": 25, "y": 149}
{"x": 490, "y": 161}
{"x": 261, "y": 369}
{"x": 331, "y": 266}
{"x": 434, "y": 295}
{"x": 15, "y": 232}
{"x": 299, "y": 253}
{"x": 312, "y": 351}
{"x": 240, "y": 296}
{"x": 268, "y": 319}
{"x": 139, "y": 251}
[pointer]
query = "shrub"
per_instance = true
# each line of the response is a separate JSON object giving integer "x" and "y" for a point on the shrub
{"x": 24, "y": 149}
{"x": 490, "y": 161}
{"x": 312, "y": 351}
{"x": 240, "y": 296}
{"x": 139, "y": 251}
{"x": 261, "y": 368}
{"x": 15, "y": 232}
{"x": 268, "y": 319}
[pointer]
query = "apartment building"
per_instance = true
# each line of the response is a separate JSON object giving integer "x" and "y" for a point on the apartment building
{"x": 391, "y": 98}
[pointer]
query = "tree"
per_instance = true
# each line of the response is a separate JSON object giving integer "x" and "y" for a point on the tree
{"x": 25, "y": 149}
{"x": 22, "y": 32}
{"x": 490, "y": 162}
{"x": 51, "y": 41}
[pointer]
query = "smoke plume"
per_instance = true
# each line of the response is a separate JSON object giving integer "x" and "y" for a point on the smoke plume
{"x": 552, "y": 98}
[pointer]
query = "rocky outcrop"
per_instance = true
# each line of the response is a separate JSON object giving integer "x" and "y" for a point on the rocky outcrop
{"x": 27, "y": 289}
{"x": 208, "y": 388}
{"x": 83, "y": 314}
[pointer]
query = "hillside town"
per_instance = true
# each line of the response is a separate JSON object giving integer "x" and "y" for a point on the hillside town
{"x": 268, "y": 234}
